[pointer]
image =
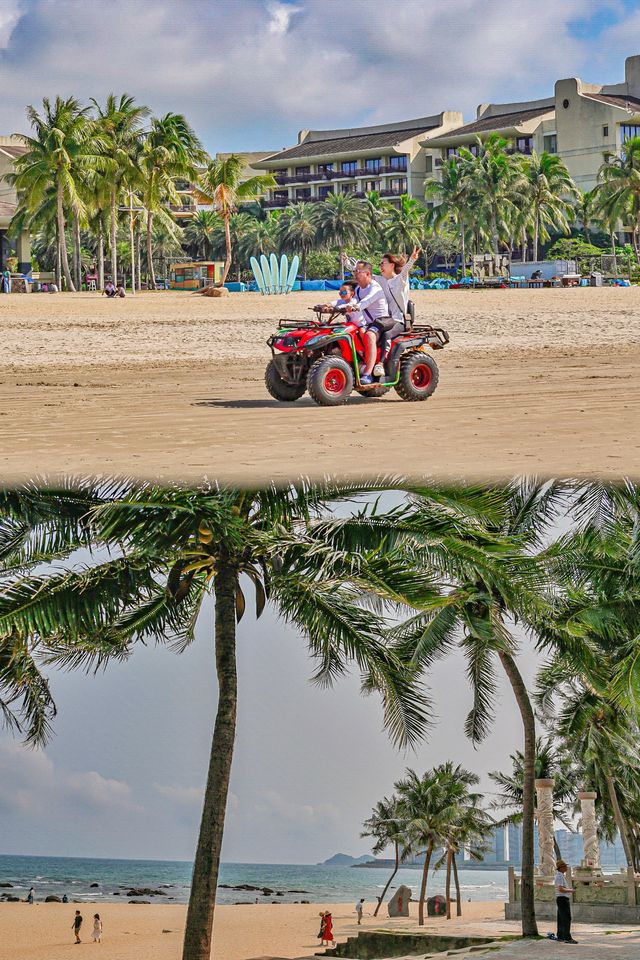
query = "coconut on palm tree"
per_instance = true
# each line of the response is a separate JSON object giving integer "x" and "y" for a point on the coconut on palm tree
{"x": 154, "y": 556}
{"x": 223, "y": 181}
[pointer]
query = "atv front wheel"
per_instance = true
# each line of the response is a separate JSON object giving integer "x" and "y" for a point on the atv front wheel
{"x": 418, "y": 376}
{"x": 330, "y": 381}
{"x": 279, "y": 388}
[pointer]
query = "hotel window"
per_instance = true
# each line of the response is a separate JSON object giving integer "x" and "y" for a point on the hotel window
{"x": 605, "y": 130}
{"x": 398, "y": 163}
{"x": 281, "y": 195}
{"x": 628, "y": 130}
{"x": 325, "y": 168}
{"x": 452, "y": 152}
{"x": 349, "y": 166}
{"x": 372, "y": 185}
{"x": 398, "y": 184}
{"x": 280, "y": 173}
{"x": 348, "y": 188}
{"x": 323, "y": 192}
{"x": 303, "y": 193}
{"x": 303, "y": 169}
{"x": 550, "y": 143}
{"x": 372, "y": 165}
{"x": 429, "y": 165}
{"x": 524, "y": 144}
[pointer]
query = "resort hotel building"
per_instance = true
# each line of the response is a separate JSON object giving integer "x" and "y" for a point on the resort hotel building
{"x": 582, "y": 123}
{"x": 19, "y": 247}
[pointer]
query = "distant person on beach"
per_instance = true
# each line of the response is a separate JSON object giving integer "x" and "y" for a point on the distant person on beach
{"x": 120, "y": 291}
{"x": 326, "y": 926}
{"x": 563, "y": 903}
{"x": 30, "y": 895}
{"x": 110, "y": 289}
{"x": 359, "y": 910}
{"x": 75, "y": 926}
{"x": 96, "y": 936}
{"x": 65, "y": 898}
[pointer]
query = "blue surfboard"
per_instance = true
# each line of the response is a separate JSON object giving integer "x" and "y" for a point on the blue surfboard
{"x": 275, "y": 274}
{"x": 284, "y": 273}
{"x": 293, "y": 273}
{"x": 257, "y": 272}
{"x": 266, "y": 273}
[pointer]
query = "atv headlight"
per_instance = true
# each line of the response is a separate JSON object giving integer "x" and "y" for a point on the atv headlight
{"x": 287, "y": 341}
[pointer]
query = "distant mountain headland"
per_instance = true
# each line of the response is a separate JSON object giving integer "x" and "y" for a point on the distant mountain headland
{"x": 344, "y": 860}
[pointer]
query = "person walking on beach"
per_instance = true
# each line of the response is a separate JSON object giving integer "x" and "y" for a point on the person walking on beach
{"x": 359, "y": 910}
{"x": 75, "y": 926}
{"x": 96, "y": 936}
{"x": 563, "y": 903}
{"x": 326, "y": 926}
{"x": 30, "y": 895}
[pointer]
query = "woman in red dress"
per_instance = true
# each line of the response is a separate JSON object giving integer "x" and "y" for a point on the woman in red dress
{"x": 327, "y": 929}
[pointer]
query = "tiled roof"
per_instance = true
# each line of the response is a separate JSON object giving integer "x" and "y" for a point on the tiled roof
{"x": 350, "y": 144}
{"x": 616, "y": 100}
{"x": 12, "y": 150}
{"x": 500, "y": 121}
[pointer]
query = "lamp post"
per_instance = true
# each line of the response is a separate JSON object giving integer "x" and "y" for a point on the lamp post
{"x": 131, "y": 210}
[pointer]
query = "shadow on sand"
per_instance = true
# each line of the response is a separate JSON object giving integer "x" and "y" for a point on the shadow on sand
{"x": 304, "y": 403}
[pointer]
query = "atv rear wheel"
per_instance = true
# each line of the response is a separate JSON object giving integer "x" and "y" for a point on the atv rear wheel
{"x": 279, "y": 388}
{"x": 418, "y": 376}
{"x": 330, "y": 381}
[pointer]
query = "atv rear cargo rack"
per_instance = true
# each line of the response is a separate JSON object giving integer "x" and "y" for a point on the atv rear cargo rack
{"x": 424, "y": 329}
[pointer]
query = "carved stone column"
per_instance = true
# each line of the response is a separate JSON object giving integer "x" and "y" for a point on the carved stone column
{"x": 590, "y": 844}
{"x": 547, "y": 855}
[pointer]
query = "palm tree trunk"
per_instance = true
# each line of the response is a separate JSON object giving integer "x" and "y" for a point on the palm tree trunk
{"x": 150, "y": 271}
{"x": 227, "y": 259}
{"x": 618, "y": 817}
{"x": 556, "y": 847}
{"x": 613, "y": 253}
{"x": 388, "y": 883}
{"x": 457, "y": 883}
{"x": 64, "y": 258}
{"x": 529, "y": 926}
{"x": 536, "y": 235}
{"x": 494, "y": 231}
{"x": 77, "y": 269}
{"x": 202, "y": 900}
{"x": 114, "y": 237}
{"x": 464, "y": 251}
{"x": 139, "y": 259}
{"x": 447, "y": 889}
{"x": 100, "y": 257}
{"x": 58, "y": 258}
{"x": 423, "y": 886}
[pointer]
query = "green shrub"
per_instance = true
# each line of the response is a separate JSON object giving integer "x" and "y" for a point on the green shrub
{"x": 322, "y": 266}
{"x": 569, "y": 248}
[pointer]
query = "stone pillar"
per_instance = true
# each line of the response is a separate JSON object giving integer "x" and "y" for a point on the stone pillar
{"x": 547, "y": 854}
{"x": 23, "y": 252}
{"x": 590, "y": 844}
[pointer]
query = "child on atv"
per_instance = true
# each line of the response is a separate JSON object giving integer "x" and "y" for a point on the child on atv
{"x": 346, "y": 292}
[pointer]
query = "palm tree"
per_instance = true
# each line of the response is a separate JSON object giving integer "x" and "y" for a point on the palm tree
{"x": 549, "y": 190}
{"x": 341, "y": 223}
{"x": 469, "y": 825}
{"x": 618, "y": 189}
{"x": 377, "y": 209}
{"x": 585, "y": 208}
{"x": 64, "y": 149}
{"x": 199, "y": 233}
{"x": 451, "y": 196}
{"x": 260, "y": 236}
{"x": 494, "y": 176}
{"x": 120, "y": 123}
{"x": 404, "y": 226}
{"x": 239, "y": 225}
{"x": 170, "y": 150}
{"x": 223, "y": 182}
{"x": 427, "y": 807}
{"x": 386, "y": 827}
{"x": 299, "y": 232}
{"x": 154, "y": 557}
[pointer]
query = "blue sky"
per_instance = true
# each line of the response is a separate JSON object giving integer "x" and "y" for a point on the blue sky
{"x": 251, "y": 73}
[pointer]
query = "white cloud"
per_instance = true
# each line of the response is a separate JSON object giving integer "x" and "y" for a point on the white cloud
{"x": 10, "y": 13}
{"x": 281, "y": 14}
{"x": 186, "y": 796}
{"x": 91, "y": 789}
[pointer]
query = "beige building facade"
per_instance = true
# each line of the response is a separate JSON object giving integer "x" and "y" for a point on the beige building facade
{"x": 10, "y": 246}
{"x": 388, "y": 158}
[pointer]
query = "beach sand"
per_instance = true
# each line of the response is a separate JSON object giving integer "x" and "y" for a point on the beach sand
{"x": 170, "y": 385}
{"x": 135, "y": 931}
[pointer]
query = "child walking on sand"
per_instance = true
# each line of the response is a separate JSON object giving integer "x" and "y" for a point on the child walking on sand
{"x": 96, "y": 936}
{"x": 75, "y": 926}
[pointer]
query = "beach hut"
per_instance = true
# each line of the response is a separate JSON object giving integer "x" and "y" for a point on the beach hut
{"x": 192, "y": 276}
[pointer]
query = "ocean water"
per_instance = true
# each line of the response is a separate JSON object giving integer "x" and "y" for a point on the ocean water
{"x": 317, "y": 884}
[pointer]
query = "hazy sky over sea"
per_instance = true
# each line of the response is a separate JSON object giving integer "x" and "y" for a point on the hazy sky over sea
{"x": 250, "y": 73}
{"x": 124, "y": 774}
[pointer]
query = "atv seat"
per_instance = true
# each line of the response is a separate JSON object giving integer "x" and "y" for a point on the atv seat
{"x": 410, "y": 316}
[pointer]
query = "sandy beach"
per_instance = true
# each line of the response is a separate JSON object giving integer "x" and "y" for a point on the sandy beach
{"x": 154, "y": 932}
{"x": 171, "y": 385}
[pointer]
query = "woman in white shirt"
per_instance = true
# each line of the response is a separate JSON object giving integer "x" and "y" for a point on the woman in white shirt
{"x": 394, "y": 280}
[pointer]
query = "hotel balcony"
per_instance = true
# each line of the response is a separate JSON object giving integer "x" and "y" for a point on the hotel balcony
{"x": 322, "y": 175}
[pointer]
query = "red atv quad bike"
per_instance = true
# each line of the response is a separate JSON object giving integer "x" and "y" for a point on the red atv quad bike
{"x": 325, "y": 356}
